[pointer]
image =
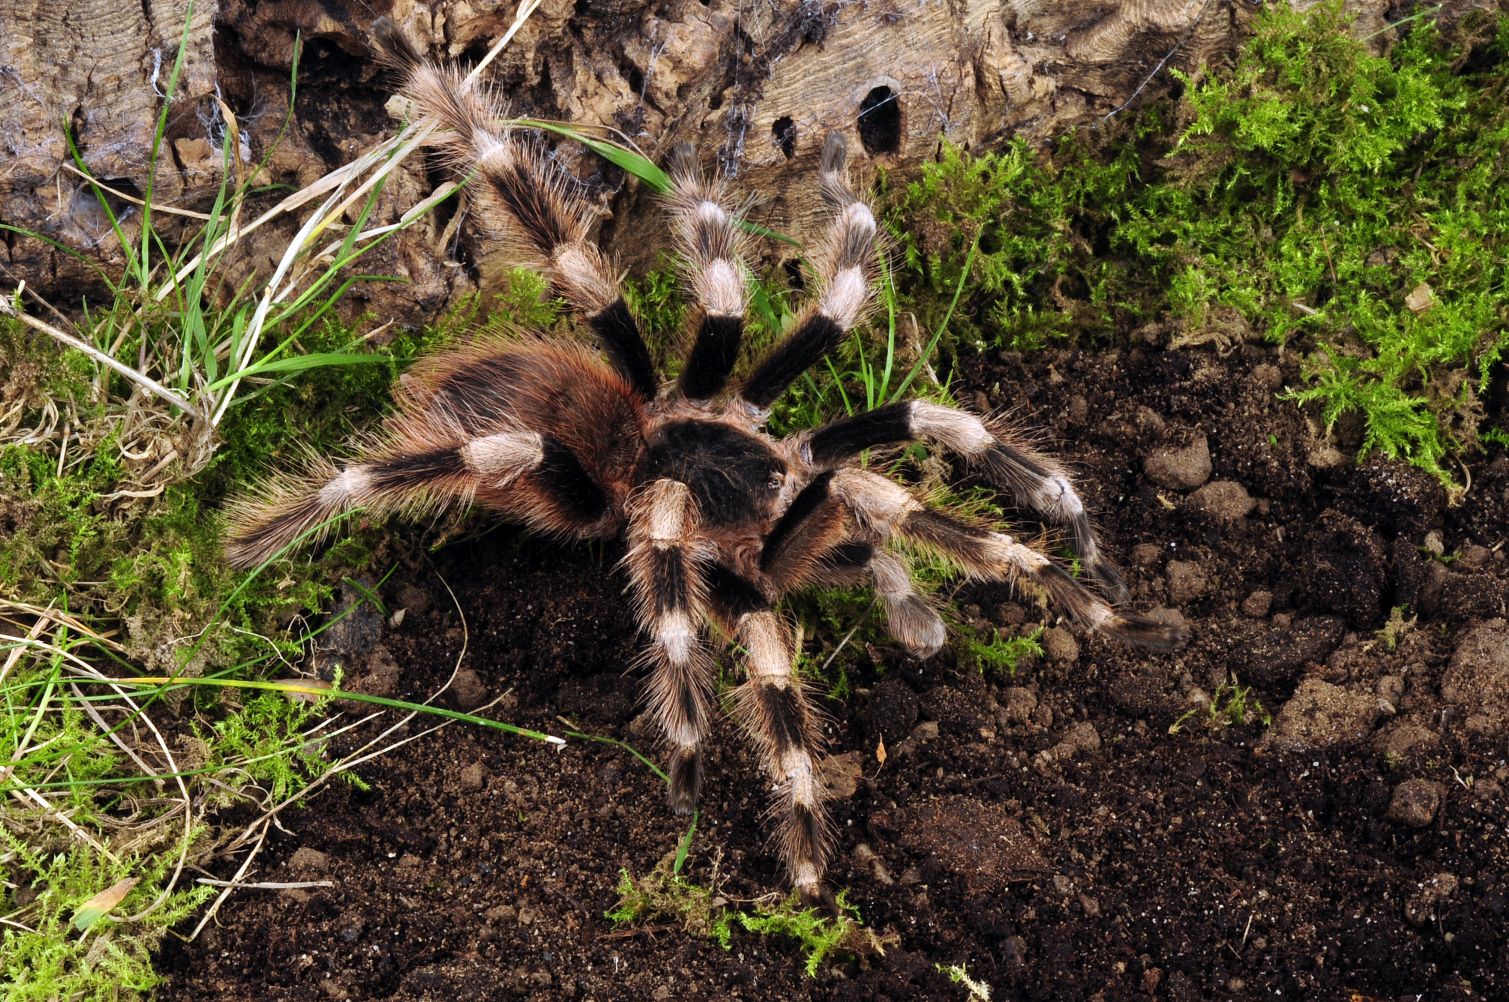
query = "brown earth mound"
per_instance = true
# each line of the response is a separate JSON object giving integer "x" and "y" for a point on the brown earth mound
{"x": 1048, "y": 830}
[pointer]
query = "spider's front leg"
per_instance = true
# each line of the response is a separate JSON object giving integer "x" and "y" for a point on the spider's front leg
{"x": 1001, "y": 454}
{"x": 845, "y": 263}
{"x": 712, "y": 244}
{"x": 775, "y": 711}
{"x": 667, "y": 564}
{"x": 524, "y": 201}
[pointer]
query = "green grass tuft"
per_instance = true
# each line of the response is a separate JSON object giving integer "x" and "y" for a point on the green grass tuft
{"x": 1000, "y": 654}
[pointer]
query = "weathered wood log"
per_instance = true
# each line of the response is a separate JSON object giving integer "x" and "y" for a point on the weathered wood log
{"x": 755, "y": 86}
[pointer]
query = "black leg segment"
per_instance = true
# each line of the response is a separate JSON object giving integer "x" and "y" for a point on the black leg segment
{"x": 814, "y": 338}
{"x": 619, "y": 333}
{"x": 565, "y": 481}
{"x": 713, "y": 356}
{"x": 844, "y": 439}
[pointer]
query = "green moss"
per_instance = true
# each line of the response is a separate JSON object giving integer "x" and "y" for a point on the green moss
{"x": 1347, "y": 203}
{"x": 656, "y": 299}
{"x": 43, "y": 957}
{"x": 702, "y": 911}
{"x": 1231, "y": 705}
{"x": 264, "y": 740}
{"x": 1000, "y": 654}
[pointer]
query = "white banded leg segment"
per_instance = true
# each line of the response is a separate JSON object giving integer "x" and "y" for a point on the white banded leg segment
{"x": 499, "y": 459}
{"x": 780, "y": 721}
{"x": 291, "y": 508}
{"x": 911, "y": 619}
{"x": 909, "y": 616}
{"x": 891, "y": 511}
{"x": 412, "y": 480}
{"x": 845, "y": 297}
{"x": 524, "y": 201}
{"x": 713, "y": 244}
{"x": 667, "y": 566}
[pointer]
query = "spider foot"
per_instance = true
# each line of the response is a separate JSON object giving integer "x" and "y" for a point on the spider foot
{"x": 685, "y": 780}
{"x": 819, "y": 897}
{"x": 1145, "y": 631}
{"x": 917, "y": 626}
{"x": 1108, "y": 579}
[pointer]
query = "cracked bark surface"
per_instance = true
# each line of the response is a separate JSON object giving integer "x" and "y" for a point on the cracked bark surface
{"x": 755, "y": 87}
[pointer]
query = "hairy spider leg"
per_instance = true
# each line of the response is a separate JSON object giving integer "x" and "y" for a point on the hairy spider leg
{"x": 812, "y": 543}
{"x": 405, "y": 476}
{"x": 911, "y": 619}
{"x": 713, "y": 245}
{"x": 667, "y": 564}
{"x": 890, "y": 510}
{"x": 526, "y": 203}
{"x": 991, "y": 446}
{"x": 846, "y": 268}
{"x": 773, "y": 707}
{"x": 542, "y": 433}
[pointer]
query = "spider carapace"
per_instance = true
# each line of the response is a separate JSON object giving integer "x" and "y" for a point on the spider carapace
{"x": 721, "y": 519}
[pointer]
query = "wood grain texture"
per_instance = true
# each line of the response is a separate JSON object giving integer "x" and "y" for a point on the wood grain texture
{"x": 95, "y": 69}
{"x": 754, "y": 85}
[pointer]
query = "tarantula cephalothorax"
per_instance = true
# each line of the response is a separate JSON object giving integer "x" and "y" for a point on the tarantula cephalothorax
{"x": 721, "y": 519}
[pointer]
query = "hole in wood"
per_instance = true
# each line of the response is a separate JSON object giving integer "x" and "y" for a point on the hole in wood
{"x": 795, "y": 280}
{"x": 880, "y": 121}
{"x": 783, "y": 130}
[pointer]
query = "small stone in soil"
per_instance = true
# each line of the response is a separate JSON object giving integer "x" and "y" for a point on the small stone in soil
{"x": 309, "y": 861}
{"x": 1422, "y": 905}
{"x": 1187, "y": 581}
{"x": 472, "y": 777}
{"x": 1320, "y": 715}
{"x": 1020, "y": 703}
{"x": 1415, "y": 802}
{"x": 1060, "y": 645}
{"x": 468, "y": 692}
{"x": 1257, "y": 604}
{"x": 1396, "y": 741}
{"x": 1180, "y": 468}
{"x": 1224, "y": 500}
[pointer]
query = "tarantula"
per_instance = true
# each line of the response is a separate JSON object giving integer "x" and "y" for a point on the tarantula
{"x": 721, "y": 519}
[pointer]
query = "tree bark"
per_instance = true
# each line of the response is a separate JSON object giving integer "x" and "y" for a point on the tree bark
{"x": 755, "y": 86}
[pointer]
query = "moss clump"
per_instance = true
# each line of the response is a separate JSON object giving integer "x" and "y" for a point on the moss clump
{"x": 1015, "y": 231}
{"x": 702, "y": 911}
{"x": 1347, "y": 203}
{"x": 45, "y": 956}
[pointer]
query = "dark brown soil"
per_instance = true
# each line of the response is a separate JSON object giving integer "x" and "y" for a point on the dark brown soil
{"x": 1048, "y": 831}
